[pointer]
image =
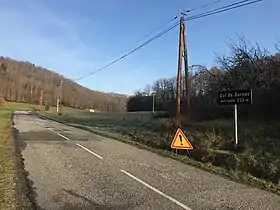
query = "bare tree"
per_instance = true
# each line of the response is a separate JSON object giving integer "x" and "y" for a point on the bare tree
{"x": 277, "y": 46}
{"x": 246, "y": 66}
{"x": 23, "y": 82}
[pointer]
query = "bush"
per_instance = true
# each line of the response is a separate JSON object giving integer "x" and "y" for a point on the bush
{"x": 260, "y": 167}
{"x": 201, "y": 155}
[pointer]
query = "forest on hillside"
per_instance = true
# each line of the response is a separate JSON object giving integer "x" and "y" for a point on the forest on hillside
{"x": 246, "y": 66}
{"x": 23, "y": 82}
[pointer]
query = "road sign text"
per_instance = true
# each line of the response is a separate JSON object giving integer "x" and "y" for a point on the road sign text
{"x": 231, "y": 97}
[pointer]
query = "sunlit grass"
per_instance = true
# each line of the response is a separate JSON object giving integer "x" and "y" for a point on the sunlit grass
{"x": 19, "y": 106}
{"x": 7, "y": 167}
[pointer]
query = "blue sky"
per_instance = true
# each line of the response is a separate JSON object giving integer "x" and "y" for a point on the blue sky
{"x": 74, "y": 37}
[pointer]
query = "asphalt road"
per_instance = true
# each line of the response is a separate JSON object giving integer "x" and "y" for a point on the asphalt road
{"x": 75, "y": 169}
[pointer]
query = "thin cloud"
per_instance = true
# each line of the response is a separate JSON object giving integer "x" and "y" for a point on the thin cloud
{"x": 35, "y": 33}
{"x": 38, "y": 35}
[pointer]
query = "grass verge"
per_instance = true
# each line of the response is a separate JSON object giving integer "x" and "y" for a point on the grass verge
{"x": 11, "y": 168}
{"x": 7, "y": 154}
{"x": 236, "y": 175}
{"x": 33, "y": 107}
{"x": 19, "y": 106}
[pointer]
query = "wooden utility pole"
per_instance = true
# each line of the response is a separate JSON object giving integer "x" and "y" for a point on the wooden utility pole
{"x": 59, "y": 98}
{"x": 187, "y": 75}
{"x": 41, "y": 100}
{"x": 180, "y": 56}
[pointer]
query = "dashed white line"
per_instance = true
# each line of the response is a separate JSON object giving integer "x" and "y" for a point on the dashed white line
{"x": 51, "y": 129}
{"x": 69, "y": 140}
{"x": 59, "y": 134}
{"x": 62, "y": 136}
{"x": 38, "y": 122}
{"x": 157, "y": 191}
{"x": 90, "y": 151}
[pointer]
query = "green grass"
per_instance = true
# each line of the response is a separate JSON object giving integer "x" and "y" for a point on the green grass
{"x": 257, "y": 162}
{"x": 65, "y": 110}
{"x": 31, "y": 107}
{"x": 19, "y": 106}
{"x": 7, "y": 166}
{"x": 14, "y": 190}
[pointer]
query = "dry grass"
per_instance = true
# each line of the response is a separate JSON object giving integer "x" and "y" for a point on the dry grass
{"x": 7, "y": 166}
{"x": 14, "y": 191}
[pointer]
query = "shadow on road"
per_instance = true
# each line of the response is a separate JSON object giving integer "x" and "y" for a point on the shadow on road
{"x": 87, "y": 204}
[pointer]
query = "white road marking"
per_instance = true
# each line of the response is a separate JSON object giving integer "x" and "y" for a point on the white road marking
{"x": 51, "y": 129}
{"x": 54, "y": 131}
{"x": 184, "y": 175}
{"x": 59, "y": 134}
{"x": 90, "y": 151}
{"x": 76, "y": 144}
{"x": 62, "y": 136}
{"x": 157, "y": 191}
{"x": 38, "y": 122}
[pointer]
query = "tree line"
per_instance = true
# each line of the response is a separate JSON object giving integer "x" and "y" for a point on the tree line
{"x": 246, "y": 66}
{"x": 23, "y": 82}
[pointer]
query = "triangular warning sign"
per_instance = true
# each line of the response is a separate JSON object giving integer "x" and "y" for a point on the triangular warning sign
{"x": 180, "y": 141}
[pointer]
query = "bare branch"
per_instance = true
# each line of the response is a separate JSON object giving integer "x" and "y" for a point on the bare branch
{"x": 277, "y": 46}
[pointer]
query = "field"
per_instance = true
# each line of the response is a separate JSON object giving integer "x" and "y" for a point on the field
{"x": 33, "y": 107}
{"x": 112, "y": 123}
{"x": 19, "y": 106}
{"x": 256, "y": 160}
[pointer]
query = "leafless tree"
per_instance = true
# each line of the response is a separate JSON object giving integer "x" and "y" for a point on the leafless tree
{"x": 23, "y": 82}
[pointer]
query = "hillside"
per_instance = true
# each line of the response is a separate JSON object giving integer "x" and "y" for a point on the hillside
{"x": 23, "y": 82}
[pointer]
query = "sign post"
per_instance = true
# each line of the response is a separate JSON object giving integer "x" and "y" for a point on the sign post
{"x": 235, "y": 126}
{"x": 153, "y": 102}
{"x": 235, "y": 97}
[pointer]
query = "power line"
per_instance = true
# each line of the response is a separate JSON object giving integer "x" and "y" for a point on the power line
{"x": 223, "y": 9}
{"x": 162, "y": 26}
{"x": 204, "y": 6}
{"x": 205, "y": 14}
{"x": 133, "y": 50}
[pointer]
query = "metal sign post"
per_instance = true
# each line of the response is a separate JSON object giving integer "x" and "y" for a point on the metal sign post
{"x": 235, "y": 97}
{"x": 235, "y": 126}
{"x": 153, "y": 102}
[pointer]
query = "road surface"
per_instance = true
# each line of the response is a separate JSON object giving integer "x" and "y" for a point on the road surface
{"x": 75, "y": 169}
